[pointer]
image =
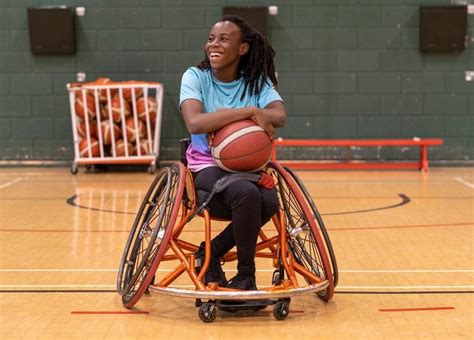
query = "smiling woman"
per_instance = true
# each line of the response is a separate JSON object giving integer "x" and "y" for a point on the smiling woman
{"x": 235, "y": 81}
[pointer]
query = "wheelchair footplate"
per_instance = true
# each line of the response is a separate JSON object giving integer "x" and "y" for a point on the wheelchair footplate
{"x": 233, "y": 306}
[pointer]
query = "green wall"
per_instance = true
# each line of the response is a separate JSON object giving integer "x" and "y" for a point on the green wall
{"x": 347, "y": 69}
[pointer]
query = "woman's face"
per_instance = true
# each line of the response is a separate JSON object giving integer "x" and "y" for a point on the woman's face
{"x": 224, "y": 46}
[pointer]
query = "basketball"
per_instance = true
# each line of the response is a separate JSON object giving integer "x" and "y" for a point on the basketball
{"x": 145, "y": 147}
{"x": 117, "y": 109}
{"x": 84, "y": 148}
{"x": 107, "y": 131}
{"x": 120, "y": 147}
{"x": 127, "y": 92}
{"x": 141, "y": 108}
{"x": 241, "y": 146}
{"x": 103, "y": 92}
{"x": 89, "y": 106}
{"x": 82, "y": 131}
{"x": 132, "y": 129}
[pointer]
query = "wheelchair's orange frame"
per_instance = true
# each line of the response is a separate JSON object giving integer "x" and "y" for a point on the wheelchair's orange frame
{"x": 276, "y": 246}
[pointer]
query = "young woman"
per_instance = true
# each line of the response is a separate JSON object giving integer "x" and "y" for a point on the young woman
{"x": 235, "y": 81}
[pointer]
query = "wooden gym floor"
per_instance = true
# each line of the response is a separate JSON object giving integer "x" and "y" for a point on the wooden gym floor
{"x": 403, "y": 240}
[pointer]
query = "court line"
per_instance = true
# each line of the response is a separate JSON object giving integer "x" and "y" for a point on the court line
{"x": 404, "y": 200}
{"x": 405, "y": 287}
{"x": 85, "y": 312}
{"x": 14, "y": 230}
{"x": 72, "y": 202}
{"x": 469, "y": 184}
{"x": 58, "y": 286}
{"x": 5, "y": 185}
{"x": 357, "y": 288}
{"x": 365, "y": 271}
{"x": 354, "y": 292}
{"x": 403, "y": 226}
{"x": 415, "y": 309}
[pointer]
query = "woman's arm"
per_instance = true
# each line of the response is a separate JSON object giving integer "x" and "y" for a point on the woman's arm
{"x": 276, "y": 113}
{"x": 196, "y": 122}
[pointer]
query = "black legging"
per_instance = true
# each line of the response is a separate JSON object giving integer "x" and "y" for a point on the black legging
{"x": 247, "y": 205}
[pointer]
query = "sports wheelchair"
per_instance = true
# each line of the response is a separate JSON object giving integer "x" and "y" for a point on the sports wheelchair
{"x": 300, "y": 248}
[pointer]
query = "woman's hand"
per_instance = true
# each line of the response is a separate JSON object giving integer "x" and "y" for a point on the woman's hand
{"x": 260, "y": 119}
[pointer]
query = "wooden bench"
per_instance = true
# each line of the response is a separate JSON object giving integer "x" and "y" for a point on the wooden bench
{"x": 421, "y": 164}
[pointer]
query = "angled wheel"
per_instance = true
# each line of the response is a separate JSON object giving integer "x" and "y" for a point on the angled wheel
{"x": 304, "y": 238}
{"x": 319, "y": 223}
{"x": 150, "y": 233}
{"x": 281, "y": 310}
{"x": 207, "y": 312}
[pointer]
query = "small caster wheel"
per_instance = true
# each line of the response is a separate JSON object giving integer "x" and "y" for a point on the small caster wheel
{"x": 276, "y": 279}
{"x": 207, "y": 312}
{"x": 74, "y": 168}
{"x": 89, "y": 168}
{"x": 198, "y": 303}
{"x": 281, "y": 310}
{"x": 152, "y": 169}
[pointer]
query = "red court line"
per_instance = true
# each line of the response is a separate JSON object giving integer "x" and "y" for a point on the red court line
{"x": 108, "y": 312}
{"x": 415, "y": 309}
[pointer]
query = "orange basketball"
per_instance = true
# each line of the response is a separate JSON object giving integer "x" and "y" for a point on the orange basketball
{"x": 81, "y": 129}
{"x": 84, "y": 148}
{"x": 120, "y": 148}
{"x": 241, "y": 146}
{"x": 107, "y": 131}
{"x": 103, "y": 92}
{"x": 88, "y": 107}
{"x": 141, "y": 108}
{"x": 146, "y": 147}
{"x": 127, "y": 92}
{"x": 132, "y": 129}
{"x": 116, "y": 109}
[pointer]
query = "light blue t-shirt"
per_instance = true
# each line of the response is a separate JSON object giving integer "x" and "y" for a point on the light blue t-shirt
{"x": 215, "y": 94}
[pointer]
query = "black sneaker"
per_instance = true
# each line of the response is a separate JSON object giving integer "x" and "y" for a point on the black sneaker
{"x": 243, "y": 282}
{"x": 214, "y": 272}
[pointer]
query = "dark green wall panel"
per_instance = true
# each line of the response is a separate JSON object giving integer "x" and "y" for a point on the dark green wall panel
{"x": 347, "y": 69}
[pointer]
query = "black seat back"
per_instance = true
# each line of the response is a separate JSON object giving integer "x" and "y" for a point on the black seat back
{"x": 183, "y": 146}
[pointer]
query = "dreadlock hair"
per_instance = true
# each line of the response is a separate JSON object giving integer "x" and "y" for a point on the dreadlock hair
{"x": 257, "y": 64}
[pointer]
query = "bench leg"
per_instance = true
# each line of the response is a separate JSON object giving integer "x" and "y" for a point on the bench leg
{"x": 424, "y": 164}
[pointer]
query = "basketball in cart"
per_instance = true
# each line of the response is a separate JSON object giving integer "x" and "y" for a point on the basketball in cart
{"x": 116, "y": 122}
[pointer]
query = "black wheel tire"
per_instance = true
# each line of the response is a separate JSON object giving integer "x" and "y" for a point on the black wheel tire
{"x": 304, "y": 237}
{"x": 152, "y": 229}
{"x": 321, "y": 226}
{"x": 281, "y": 310}
{"x": 74, "y": 168}
{"x": 208, "y": 312}
{"x": 152, "y": 169}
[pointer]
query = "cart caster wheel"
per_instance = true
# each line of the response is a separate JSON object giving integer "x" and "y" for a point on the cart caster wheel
{"x": 276, "y": 279}
{"x": 89, "y": 168}
{"x": 198, "y": 303}
{"x": 207, "y": 312}
{"x": 281, "y": 310}
{"x": 152, "y": 169}
{"x": 74, "y": 168}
